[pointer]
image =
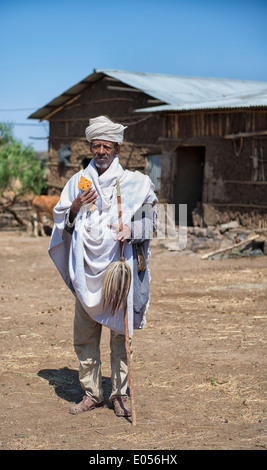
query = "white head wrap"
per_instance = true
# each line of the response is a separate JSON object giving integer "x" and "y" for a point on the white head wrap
{"x": 102, "y": 128}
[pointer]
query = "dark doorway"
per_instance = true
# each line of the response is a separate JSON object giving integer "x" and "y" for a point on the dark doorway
{"x": 189, "y": 179}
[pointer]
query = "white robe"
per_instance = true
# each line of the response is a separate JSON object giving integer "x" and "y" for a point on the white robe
{"x": 83, "y": 257}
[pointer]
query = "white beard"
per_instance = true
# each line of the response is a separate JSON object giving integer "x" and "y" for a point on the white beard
{"x": 101, "y": 165}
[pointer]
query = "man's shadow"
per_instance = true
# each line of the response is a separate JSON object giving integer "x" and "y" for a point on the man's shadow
{"x": 67, "y": 385}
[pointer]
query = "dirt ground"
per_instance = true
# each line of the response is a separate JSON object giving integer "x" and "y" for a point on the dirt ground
{"x": 198, "y": 368}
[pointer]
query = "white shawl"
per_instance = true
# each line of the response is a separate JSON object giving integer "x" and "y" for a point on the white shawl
{"x": 83, "y": 257}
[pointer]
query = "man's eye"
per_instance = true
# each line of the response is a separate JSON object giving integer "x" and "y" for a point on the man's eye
{"x": 97, "y": 147}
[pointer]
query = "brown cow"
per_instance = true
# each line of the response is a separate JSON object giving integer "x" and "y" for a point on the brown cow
{"x": 43, "y": 213}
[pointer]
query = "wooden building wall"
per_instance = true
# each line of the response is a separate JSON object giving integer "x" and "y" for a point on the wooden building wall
{"x": 214, "y": 123}
{"x": 232, "y": 188}
{"x": 104, "y": 97}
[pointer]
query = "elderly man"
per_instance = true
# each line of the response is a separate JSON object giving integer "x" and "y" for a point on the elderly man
{"x": 85, "y": 240}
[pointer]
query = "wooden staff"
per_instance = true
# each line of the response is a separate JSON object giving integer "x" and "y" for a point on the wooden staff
{"x": 115, "y": 290}
{"x": 119, "y": 206}
{"x": 126, "y": 325}
{"x": 128, "y": 351}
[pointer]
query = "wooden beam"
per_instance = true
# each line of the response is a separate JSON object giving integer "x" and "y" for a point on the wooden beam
{"x": 119, "y": 118}
{"x": 244, "y": 182}
{"x": 154, "y": 101}
{"x": 106, "y": 100}
{"x": 59, "y": 108}
{"x": 231, "y": 248}
{"x": 70, "y": 120}
{"x": 120, "y": 88}
{"x": 74, "y": 137}
{"x": 251, "y": 206}
{"x": 110, "y": 79}
{"x": 245, "y": 134}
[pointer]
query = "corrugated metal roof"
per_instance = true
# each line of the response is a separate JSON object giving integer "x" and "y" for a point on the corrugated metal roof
{"x": 177, "y": 92}
{"x": 188, "y": 93}
{"x": 259, "y": 99}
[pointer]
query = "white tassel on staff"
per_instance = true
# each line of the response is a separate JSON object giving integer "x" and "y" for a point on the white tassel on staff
{"x": 117, "y": 278}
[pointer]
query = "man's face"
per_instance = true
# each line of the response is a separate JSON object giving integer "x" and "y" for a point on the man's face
{"x": 103, "y": 153}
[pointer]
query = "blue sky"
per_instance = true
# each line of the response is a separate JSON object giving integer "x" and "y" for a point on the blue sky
{"x": 49, "y": 46}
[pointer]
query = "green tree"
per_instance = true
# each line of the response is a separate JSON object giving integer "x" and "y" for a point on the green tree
{"x": 21, "y": 174}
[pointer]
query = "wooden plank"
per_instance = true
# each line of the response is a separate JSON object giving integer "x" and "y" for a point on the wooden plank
{"x": 104, "y": 100}
{"x": 70, "y": 120}
{"x": 251, "y": 206}
{"x": 220, "y": 125}
{"x": 176, "y": 126}
{"x": 245, "y": 134}
{"x": 231, "y": 248}
{"x": 211, "y": 125}
{"x": 244, "y": 182}
{"x": 70, "y": 137}
{"x": 59, "y": 108}
{"x": 164, "y": 126}
{"x": 202, "y": 125}
{"x": 120, "y": 88}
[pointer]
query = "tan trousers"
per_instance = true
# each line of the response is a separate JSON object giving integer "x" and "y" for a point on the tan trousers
{"x": 87, "y": 335}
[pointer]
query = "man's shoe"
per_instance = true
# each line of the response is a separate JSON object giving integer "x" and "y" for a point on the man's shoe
{"x": 121, "y": 407}
{"x": 86, "y": 404}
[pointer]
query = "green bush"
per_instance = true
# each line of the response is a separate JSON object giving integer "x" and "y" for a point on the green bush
{"x": 20, "y": 172}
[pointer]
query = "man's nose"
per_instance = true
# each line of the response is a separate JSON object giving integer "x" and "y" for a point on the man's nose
{"x": 101, "y": 150}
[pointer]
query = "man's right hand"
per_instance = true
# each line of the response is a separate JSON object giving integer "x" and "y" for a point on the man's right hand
{"x": 87, "y": 197}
